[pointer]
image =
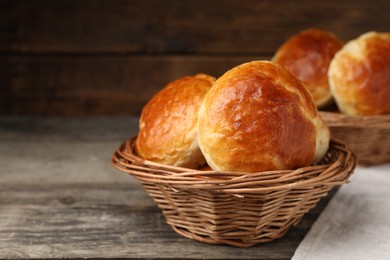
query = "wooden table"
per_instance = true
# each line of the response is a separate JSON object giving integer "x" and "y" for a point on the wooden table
{"x": 61, "y": 198}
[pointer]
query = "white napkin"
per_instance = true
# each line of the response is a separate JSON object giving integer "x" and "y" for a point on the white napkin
{"x": 356, "y": 223}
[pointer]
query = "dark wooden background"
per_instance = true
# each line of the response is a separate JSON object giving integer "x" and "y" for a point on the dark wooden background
{"x": 108, "y": 57}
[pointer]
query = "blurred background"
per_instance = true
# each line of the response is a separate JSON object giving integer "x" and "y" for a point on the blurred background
{"x": 108, "y": 57}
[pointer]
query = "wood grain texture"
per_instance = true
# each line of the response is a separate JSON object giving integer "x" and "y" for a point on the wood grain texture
{"x": 61, "y": 198}
{"x": 109, "y": 221}
{"x": 95, "y": 85}
{"x": 175, "y": 26}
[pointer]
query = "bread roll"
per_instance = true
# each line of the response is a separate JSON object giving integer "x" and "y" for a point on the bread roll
{"x": 258, "y": 117}
{"x": 167, "y": 126}
{"x": 359, "y": 75}
{"x": 205, "y": 167}
{"x": 307, "y": 55}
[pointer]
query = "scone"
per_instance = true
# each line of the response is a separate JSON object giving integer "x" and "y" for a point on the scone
{"x": 258, "y": 117}
{"x": 167, "y": 126}
{"x": 359, "y": 75}
{"x": 307, "y": 55}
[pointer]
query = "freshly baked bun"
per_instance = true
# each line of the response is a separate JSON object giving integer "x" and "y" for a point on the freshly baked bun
{"x": 359, "y": 75}
{"x": 258, "y": 117}
{"x": 167, "y": 126}
{"x": 205, "y": 167}
{"x": 307, "y": 55}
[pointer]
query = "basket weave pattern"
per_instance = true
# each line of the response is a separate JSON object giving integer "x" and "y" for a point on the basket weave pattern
{"x": 238, "y": 209}
{"x": 367, "y": 136}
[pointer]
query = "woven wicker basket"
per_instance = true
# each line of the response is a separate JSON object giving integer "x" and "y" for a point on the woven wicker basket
{"x": 238, "y": 209}
{"x": 367, "y": 136}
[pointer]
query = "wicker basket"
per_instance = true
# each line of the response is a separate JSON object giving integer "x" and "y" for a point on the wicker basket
{"x": 238, "y": 209}
{"x": 367, "y": 136}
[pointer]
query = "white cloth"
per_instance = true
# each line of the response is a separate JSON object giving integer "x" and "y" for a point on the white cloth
{"x": 356, "y": 223}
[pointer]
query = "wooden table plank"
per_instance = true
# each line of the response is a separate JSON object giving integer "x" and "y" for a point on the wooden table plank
{"x": 107, "y": 221}
{"x": 57, "y": 203}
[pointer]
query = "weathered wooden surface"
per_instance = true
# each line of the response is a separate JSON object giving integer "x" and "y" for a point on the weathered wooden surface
{"x": 108, "y": 57}
{"x": 61, "y": 198}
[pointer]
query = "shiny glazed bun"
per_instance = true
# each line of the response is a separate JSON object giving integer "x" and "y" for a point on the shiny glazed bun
{"x": 258, "y": 117}
{"x": 359, "y": 75}
{"x": 307, "y": 55}
{"x": 167, "y": 126}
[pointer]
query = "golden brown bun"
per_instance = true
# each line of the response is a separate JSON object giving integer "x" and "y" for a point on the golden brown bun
{"x": 205, "y": 167}
{"x": 359, "y": 75}
{"x": 257, "y": 117}
{"x": 167, "y": 127}
{"x": 307, "y": 55}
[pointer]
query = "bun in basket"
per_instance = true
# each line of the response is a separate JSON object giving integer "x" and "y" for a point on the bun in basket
{"x": 259, "y": 117}
{"x": 167, "y": 126}
{"x": 307, "y": 55}
{"x": 359, "y": 75}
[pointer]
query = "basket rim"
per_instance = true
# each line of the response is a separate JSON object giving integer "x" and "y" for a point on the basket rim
{"x": 339, "y": 119}
{"x": 334, "y": 172}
